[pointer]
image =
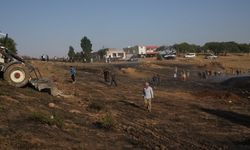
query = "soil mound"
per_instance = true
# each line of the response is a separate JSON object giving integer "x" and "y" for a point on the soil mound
{"x": 133, "y": 72}
{"x": 213, "y": 66}
{"x": 238, "y": 82}
{"x": 216, "y": 94}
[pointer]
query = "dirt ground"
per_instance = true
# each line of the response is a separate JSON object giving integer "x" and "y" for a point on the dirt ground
{"x": 192, "y": 114}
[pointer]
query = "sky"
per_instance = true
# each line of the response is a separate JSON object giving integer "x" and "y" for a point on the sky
{"x": 51, "y": 26}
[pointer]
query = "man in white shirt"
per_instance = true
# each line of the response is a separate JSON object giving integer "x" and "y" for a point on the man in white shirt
{"x": 148, "y": 95}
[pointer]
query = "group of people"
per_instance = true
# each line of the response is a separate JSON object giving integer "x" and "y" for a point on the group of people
{"x": 148, "y": 94}
{"x": 207, "y": 73}
{"x": 184, "y": 74}
{"x": 110, "y": 77}
{"x": 44, "y": 57}
{"x": 238, "y": 72}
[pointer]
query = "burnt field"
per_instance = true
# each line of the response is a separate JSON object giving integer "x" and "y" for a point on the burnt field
{"x": 192, "y": 114}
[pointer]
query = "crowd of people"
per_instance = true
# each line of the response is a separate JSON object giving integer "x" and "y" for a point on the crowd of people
{"x": 110, "y": 79}
{"x": 44, "y": 57}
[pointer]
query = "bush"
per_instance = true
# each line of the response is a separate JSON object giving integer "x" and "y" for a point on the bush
{"x": 159, "y": 57}
{"x": 107, "y": 122}
{"x": 96, "y": 105}
{"x": 44, "y": 119}
{"x": 2, "y": 108}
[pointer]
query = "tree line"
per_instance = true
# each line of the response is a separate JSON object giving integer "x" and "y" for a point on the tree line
{"x": 9, "y": 43}
{"x": 215, "y": 47}
{"x": 85, "y": 54}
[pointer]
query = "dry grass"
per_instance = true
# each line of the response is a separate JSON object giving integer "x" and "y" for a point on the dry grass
{"x": 45, "y": 119}
{"x": 194, "y": 114}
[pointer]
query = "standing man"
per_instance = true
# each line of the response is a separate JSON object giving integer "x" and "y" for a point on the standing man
{"x": 47, "y": 57}
{"x": 113, "y": 79}
{"x": 106, "y": 75}
{"x": 73, "y": 74}
{"x": 148, "y": 95}
{"x": 175, "y": 72}
{"x": 154, "y": 81}
{"x": 183, "y": 75}
{"x": 158, "y": 79}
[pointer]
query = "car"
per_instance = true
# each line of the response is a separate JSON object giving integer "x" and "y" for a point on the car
{"x": 210, "y": 56}
{"x": 190, "y": 55}
{"x": 133, "y": 59}
{"x": 169, "y": 56}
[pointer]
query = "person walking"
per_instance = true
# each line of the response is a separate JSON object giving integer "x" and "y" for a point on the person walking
{"x": 106, "y": 75}
{"x": 148, "y": 95}
{"x": 154, "y": 81}
{"x": 113, "y": 79}
{"x": 158, "y": 79}
{"x": 184, "y": 75}
{"x": 73, "y": 74}
{"x": 188, "y": 74}
{"x": 175, "y": 72}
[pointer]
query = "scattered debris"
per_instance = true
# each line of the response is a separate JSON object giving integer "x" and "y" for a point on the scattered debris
{"x": 52, "y": 105}
{"x": 74, "y": 111}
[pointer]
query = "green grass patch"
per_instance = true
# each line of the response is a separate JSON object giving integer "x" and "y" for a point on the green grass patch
{"x": 45, "y": 119}
{"x": 96, "y": 105}
{"x": 108, "y": 122}
{"x": 2, "y": 108}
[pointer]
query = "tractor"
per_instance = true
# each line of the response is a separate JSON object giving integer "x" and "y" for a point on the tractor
{"x": 12, "y": 67}
{"x": 19, "y": 73}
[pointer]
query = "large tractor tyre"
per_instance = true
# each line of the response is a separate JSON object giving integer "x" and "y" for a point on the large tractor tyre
{"x": 17, "y": 75}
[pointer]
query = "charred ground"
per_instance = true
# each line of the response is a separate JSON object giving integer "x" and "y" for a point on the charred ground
{"x": 195, "y": 114}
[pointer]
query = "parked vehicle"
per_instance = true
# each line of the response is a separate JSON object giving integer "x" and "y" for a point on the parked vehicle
{"x": 190, "y": 55}
{"x": 168, "y": 53}
{"x": 132, "y": 58}
{"x": 17, "y": 72}
{"x": 210, "y": 56}
{"x": 170, "y": 56}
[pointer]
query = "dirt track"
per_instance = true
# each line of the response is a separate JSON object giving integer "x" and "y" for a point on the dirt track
{"x": 186, "y": 115}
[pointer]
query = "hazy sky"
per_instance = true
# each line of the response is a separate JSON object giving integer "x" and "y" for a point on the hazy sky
{"x": 51, "y": 26}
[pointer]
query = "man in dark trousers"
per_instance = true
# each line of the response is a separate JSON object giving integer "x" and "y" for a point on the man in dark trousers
{"x": 73, "y": 74}
{"x": 158, "y": 79}
{"x": 113, "y": 79}
{"x": 106, "y": 75}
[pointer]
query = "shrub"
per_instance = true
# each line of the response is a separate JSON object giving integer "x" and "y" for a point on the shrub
{"x": 44, "y": 119}
{"x": 107, "y": 122}
{"x": 2, "y": 108}
{"x": 96, "y": 105}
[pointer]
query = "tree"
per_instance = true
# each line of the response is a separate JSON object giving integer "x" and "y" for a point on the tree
{"x": 225, "y": 47}
{"x": 86, "y": 48}
{"x": 161, "y": 48}
{"x": 231, "y": 47}
{"x": 185, "y": 47}
{"x": 79, "y": 56}
{"x": 244, "y": 48}
{"x": 215, "y": 47}
{"x": 102, "y": 52}
{"x": 9, "y": 43}
{"x": 71, "y": 53}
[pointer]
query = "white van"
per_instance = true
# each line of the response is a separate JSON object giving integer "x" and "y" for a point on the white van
{"x": 190, "y": 55}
